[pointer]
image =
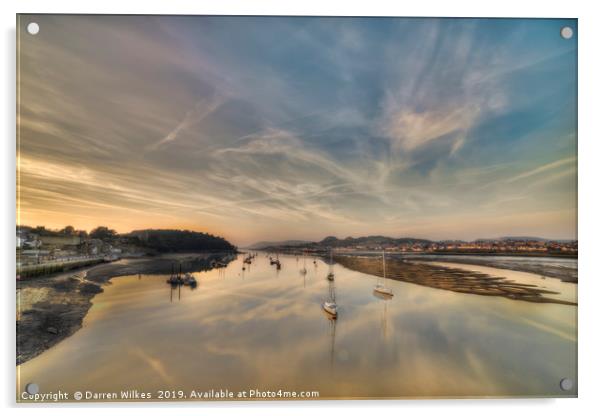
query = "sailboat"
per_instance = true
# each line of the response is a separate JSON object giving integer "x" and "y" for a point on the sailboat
{"x": 330, "y": 306}
{"x": 330, "y": 275}
{"x": 189, "y": 279}
{"x": 175, "y": 279}
{"x": 380, "y": 288}
{"x": 303, "y": 271}
{"x": 278, "y": 265}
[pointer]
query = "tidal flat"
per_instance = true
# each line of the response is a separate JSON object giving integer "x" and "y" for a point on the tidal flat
{"x": 449, "y": 277}
{"x": 557, "y": 267}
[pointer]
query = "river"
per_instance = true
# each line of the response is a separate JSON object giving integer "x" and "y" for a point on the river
{"x": 264, "y": 329}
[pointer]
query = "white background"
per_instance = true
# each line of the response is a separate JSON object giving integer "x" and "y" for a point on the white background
{"x": 590, "y": 236}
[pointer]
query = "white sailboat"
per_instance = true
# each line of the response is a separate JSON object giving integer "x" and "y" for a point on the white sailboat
{"x": 330, "y": 306}
{"x": 381, "y": 288}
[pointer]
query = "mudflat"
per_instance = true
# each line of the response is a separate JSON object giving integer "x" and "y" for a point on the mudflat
{"x": 450, "y": 278}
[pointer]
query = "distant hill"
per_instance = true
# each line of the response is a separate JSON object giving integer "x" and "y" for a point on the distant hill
{"x": 331, "y": 241}
{"x": 375, "y": 241}
{"x": 264, "y": 244}
{"x": 180, "y": 241}
{"x": 369, "y": 241}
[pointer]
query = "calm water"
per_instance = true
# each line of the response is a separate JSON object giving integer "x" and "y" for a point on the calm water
{"x": 263, "y": 329}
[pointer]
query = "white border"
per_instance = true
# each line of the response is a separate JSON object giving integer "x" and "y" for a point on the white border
{"x": 590, "y": 151}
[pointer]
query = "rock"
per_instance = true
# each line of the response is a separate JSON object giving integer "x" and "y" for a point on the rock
{"x": 52, "y": 330}
{"x": 66, "y": 284}
{"x": 90, "y": 288}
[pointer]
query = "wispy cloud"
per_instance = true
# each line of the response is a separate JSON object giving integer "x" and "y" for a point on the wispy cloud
{"x": 410, "y": 129}
{"x": 544, "y": 168}
{"x": 201, "y": 110}
{"x": 343, "y": 127}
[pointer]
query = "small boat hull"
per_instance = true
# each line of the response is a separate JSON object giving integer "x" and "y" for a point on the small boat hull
{"x": 384, "y": 291}
{"x": 331, "y": 309}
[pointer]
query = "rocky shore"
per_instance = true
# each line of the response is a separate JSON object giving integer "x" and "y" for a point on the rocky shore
{"x": 51, "y": 308}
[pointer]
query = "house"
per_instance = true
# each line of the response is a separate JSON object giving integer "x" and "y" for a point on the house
{"x": 60, "y": 240}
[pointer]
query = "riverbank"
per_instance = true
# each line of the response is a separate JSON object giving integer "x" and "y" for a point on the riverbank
{"x": 450, "y": 278}
{"x": 51, "y": 308}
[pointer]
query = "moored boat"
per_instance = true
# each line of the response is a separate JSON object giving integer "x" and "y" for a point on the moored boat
{"x": 189, "y": 279}
{"x": 330, "y": 275}
{"x": 174, "y": 280}
{"x": 303, "y": 271}
{"x": 381, "y": 288}
{"x": 331, "y": 308}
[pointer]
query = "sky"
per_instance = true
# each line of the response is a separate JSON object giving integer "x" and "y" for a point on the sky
{"x": 270, "y": 128}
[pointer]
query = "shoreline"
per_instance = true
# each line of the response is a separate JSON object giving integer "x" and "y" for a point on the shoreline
{"x": 52, "y": 308}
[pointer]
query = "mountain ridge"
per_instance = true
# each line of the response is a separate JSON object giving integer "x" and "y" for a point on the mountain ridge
{"x": 333, "y": 241}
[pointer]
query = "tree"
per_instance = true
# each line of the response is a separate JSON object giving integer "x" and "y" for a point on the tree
{"x": 41, "y": 230}
{"x": 181, "y": 241}
{"x": 103, "y": 233}
{"x": 68, "y": 230}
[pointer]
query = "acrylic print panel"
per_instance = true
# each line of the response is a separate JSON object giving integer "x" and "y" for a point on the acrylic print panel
{"x": 275, "y": 208}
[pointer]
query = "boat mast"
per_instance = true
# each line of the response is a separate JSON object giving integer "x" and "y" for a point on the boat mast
{"x": 332, "y": 291}
{"x": 384, "y": 267}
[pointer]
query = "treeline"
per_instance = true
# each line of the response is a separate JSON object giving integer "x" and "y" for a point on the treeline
{"x": 101, "y": 233}
{"x": 180, "y": 241}
{"x": 155, "y": 240}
